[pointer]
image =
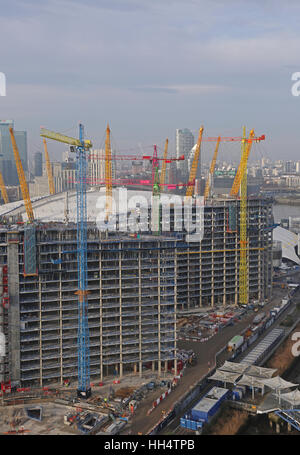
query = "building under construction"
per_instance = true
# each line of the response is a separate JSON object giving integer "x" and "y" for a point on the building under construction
{"x": 135, "y": 282}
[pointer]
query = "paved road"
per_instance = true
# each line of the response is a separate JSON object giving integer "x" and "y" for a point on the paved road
{"x": 205, "y": 352}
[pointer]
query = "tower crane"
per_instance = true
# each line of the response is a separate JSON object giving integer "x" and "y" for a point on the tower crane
{"x": 81, "y": 147}
{"x": 211, "y": 171}
{"x": 22, "y": 179}
{"x": 3, "y": 190}
{"x": 49, "y": 169}
{"x": 240, "y": 184}
{"x": 243, "y": 278}
{"x": 108, "y": 174}
{"x": 164, "y": 164}
{"x": 193, "y": 171}
{"x": 243, "y": 163}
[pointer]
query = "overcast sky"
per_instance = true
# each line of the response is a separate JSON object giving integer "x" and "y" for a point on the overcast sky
{"x": 150, "y": 66}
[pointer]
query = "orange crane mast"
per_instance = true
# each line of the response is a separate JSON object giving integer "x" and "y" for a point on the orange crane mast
{"x": 193, "y": 171}
{"x": 49, "y": 169}
{"x": 3, "y": 190}
{"x": 22, "y": 179}
{"x": 108, "y": 174}
{"x": 243, "y": 164}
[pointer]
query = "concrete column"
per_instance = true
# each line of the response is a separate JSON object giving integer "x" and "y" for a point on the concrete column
{"x": 159, "y": 309}
{"x": 224, "y": 256}
{"x": 60, "y": 316}
{"x": 101, "y": 315}
{"x": 200, "y": 275}
{"x": 277, "y": 428}
{"x": 120, "y": 286}
{"x": 236, "y": 295}
{"x": 14, "y": 306}
{"x": 135, "y": 368}
{"x": 212, "y": 264}
{"x": 140, "y": 312}
{"x": 175, "y": 314}
{"x": 289, "y": 427}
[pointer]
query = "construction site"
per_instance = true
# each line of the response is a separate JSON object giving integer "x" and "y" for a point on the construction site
{"x": 84, "y": 309}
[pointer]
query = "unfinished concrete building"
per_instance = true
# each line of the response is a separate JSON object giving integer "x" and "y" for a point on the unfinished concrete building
{"x": 135, "y": 286}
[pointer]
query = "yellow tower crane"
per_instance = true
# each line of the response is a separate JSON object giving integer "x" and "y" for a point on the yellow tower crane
{"x": 49, "y": 169}
{"x": 243, "y": 278}
{"x": 3, "y": 190}
{"x": 22, "y": 179}
{"x": 164, "y": 165}
{"x": 208, "y": 184}
{"x": 242, "y": 166}
{"x": 108, "y": 174}
{"x": 194, "y": 167}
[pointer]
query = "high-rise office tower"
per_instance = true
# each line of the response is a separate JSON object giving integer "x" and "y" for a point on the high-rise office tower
{"x": 7, "y": 161}
{"x": 38, "y": 164}
{"x": 184, "y": 144}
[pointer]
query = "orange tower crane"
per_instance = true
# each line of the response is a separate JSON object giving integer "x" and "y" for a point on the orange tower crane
{"x": 3, "y": 190}
{"x": 243, "y": 165}
{"x": 108, "y": 174}
{"x": 49, "y": 169}
{"x": 22, "y": 179}
{"x": 193, "y": 171}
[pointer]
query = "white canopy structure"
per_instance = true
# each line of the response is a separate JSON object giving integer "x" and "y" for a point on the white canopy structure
{"x": 234, "y": 367}
{"x": 225, "y": 376}
{"x": 260, "y": 371}
{"x": 292, "y": 398}
{"x": 278, "y": 383}
{"x": 251, "y": 381}
{"x": 288, "y": 241}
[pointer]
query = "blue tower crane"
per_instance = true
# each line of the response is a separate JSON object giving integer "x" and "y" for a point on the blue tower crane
{"x": 80, "y": 146}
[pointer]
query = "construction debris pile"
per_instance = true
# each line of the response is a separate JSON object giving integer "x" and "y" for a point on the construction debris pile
{"x": 202, "y": 327}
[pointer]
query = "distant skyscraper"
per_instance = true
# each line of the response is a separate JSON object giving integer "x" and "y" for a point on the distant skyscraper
{"x": 7, "y": 161}
{"x": 184, "y": 143}
{"x": 288, "y": 166}
{"x": 97, "y": 167}
{"x": 38, "y": 164}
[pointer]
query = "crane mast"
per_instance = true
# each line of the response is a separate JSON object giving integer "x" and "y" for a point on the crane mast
{"x": 22, "y": 179}
{"x": 108, "y": 174}
{"x": 193, "y": 171}
{"x": 3, "y": 190}
{"x": 242, "y": 166}
{"x": 49, "y": 169}
{"x": 243, "y": 278}
{"x": 81, "y": 147}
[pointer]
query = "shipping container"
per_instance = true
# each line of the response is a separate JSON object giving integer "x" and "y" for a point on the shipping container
{"x": 235, "y": 342}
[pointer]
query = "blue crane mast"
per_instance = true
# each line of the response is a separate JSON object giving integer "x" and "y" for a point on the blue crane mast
{"x": 80, "y": 146}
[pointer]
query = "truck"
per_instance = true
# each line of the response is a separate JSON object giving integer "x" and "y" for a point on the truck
{"x": 258, "y": 318}
{"x": 274, "y": 311}
{"x": 235, "y": 343}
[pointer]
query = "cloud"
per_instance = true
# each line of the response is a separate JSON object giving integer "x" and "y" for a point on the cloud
{"x": 100, "y": 61}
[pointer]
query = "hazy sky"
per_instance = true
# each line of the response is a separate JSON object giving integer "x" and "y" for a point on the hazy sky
{"x": 150, "y": 66}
